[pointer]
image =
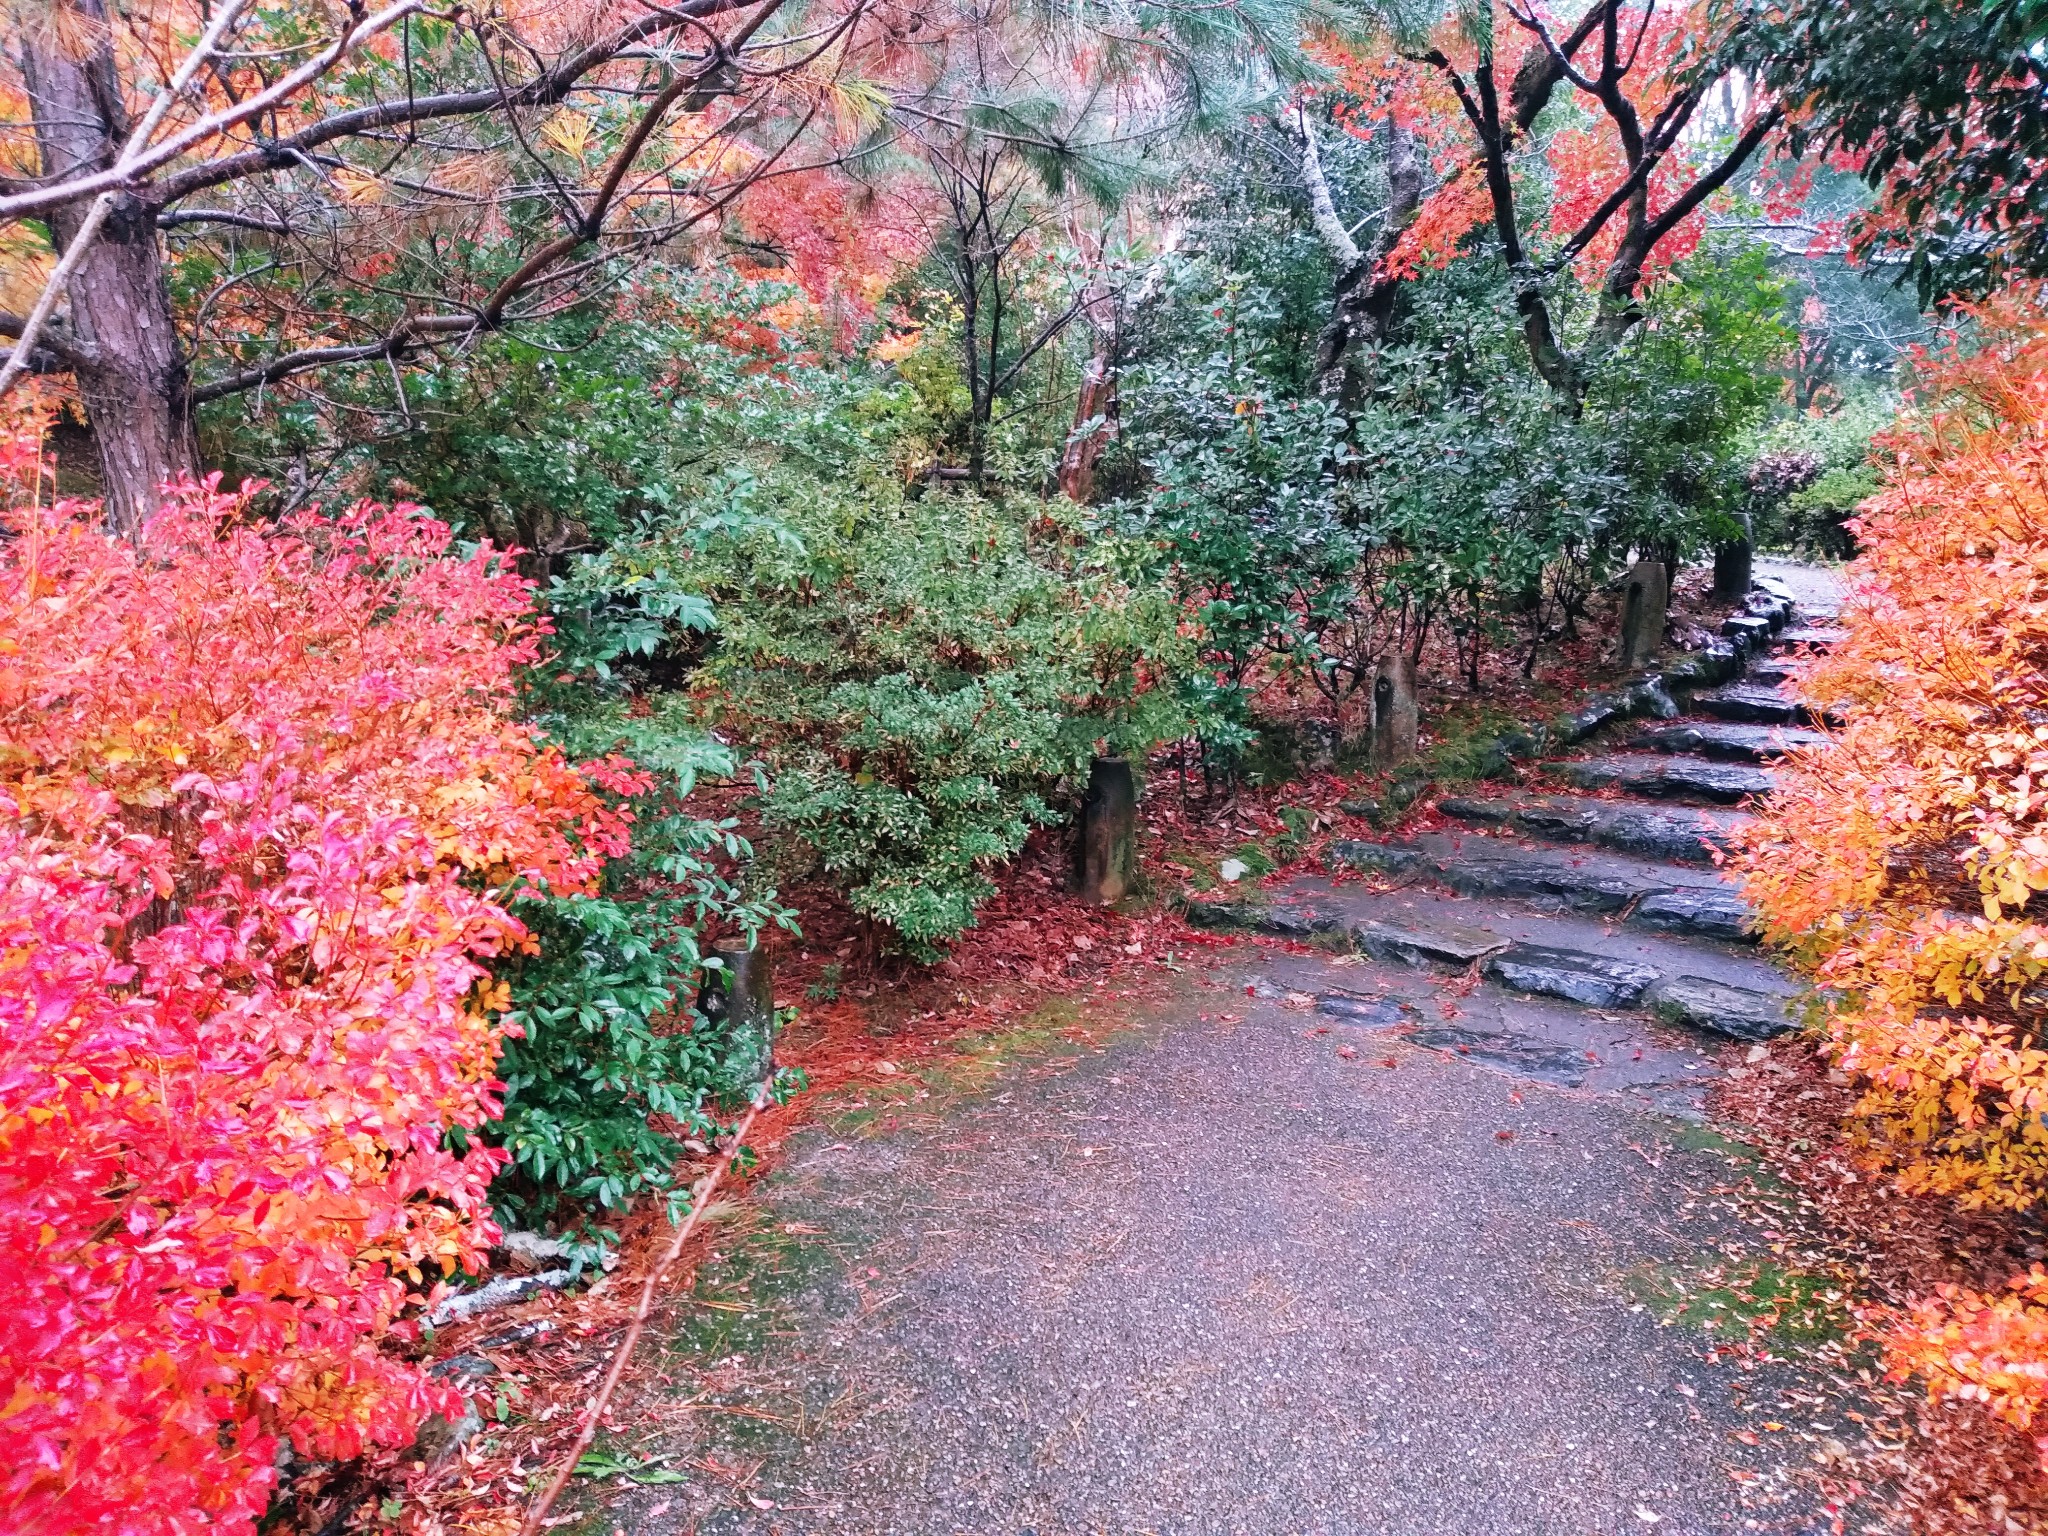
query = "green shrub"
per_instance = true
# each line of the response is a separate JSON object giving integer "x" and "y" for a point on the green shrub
{"x": 612, "y": 1067}
{"x": 1814, "y": 519}
{"x": 925, "y": 680}
{"x": 1836, "y": 444}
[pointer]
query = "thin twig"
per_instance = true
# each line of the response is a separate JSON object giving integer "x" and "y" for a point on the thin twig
{"x": 700, "y": 1200}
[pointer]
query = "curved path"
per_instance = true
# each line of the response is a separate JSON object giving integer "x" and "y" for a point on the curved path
{"x": 1380, "y": 1239}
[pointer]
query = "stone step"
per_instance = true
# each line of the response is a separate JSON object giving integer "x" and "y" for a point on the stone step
{"x": 1819, "y": 637}
{"x": 1456, "y": 945}
{"x": 1680, "y": 834}
{"x": 1666, "y": 897}
{"x": 1771, "y": 586}
{"x": 1728, "y": 741}
{"x": 1751, "y": 704}
{"x": 1517, "y": 1054}
{"x": 1562, "y": 956}
{"x": 1741, "y": 1013}
{"x": 1593, "y": 981}
{"x": 1668, "y": 778}
{"x": 1750, "y": 633}
{"x": 1281, "y": 918}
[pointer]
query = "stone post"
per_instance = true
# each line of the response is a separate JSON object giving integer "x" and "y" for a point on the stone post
{"x": 738, "y": 999}
{"x": 1106, "y": 859}
{"x": 1644, "y": 597}
{"x": 1396, "y": 717}
{"x": 1734, "y": 565}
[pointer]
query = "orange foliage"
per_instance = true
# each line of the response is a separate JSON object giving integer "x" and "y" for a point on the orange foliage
{"x": 1583, "y": 161}
{"x": 1907, "y": 861}
{"x": 1992, "y": 1349}
{"x": 262, "y": 807}
{"x": 1461, "y": 205}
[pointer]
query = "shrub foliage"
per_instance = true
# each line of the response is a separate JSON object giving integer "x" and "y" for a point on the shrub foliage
{"x": 265, "y": 805}
{"x": 1908, "y": 860}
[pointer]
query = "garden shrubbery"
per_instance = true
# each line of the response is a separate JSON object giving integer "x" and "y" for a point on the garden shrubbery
{"x": 1907, "y": 862}
{"x": 268, "y": 819}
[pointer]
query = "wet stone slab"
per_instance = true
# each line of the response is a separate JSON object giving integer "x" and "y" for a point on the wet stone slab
{"x": 1819, "y": 637}
{"x": 1704, "y": 914}
{"x": 1677, "y": 899}
{"x": 1751, "y": 704}
{"x": 1714, "y": 1006}
{"x": 1669, "y": 778}
{"x": 1383, "y": 1012}
{"x": 1522, "y": 1055}
{"x": 1592, "y": 980}
{"x": 1680, "y": 834}
{"x": 1423, "y": 944}
{"x": 1728, "y": 741}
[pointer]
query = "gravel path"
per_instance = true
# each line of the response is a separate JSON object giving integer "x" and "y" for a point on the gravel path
{"x": 1217, "y": 1276}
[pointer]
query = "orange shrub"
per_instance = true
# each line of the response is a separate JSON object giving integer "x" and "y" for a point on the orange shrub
{"x": 1907, "y": 861}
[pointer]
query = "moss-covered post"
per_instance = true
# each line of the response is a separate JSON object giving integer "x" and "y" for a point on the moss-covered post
{"x": 1396, "y": 713}
{"x": 738, "y": 1001}
{"x": 1106, "y": 858}
{"x": 1645, "y": 597}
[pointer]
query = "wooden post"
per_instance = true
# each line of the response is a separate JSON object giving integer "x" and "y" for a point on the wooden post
{"x": 738, "y": 998}
{"x": 1106, "y": 860}
{"x": 1734, "y": 567}
{"x": 1396, "y": 715}
{"x": 1644, "y": 599}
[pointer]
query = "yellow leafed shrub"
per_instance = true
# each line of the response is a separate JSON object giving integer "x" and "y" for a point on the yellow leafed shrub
{"x": 1906, "y": 862}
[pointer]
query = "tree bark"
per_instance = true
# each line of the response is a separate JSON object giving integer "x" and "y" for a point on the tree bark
{"x": 1363, "y": 304}
{"x": 123, "y": 344}
{"x": 1097, "y": 400}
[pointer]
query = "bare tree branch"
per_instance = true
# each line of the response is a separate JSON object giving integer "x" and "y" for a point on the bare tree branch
{"x": 143, "y": 158}
{"x": 132, "y": 154}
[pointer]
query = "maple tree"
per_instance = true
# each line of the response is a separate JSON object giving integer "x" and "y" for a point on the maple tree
{"x": 266, "y": 812}
{"x": 1616, "y": 189}
{"x": 1906, "y": 862}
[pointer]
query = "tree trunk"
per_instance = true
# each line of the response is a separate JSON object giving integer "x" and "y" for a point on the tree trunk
{"x": 1364, "y": 297}
{"x": 1097, "y": 399}
{"x": 121, "y": 340}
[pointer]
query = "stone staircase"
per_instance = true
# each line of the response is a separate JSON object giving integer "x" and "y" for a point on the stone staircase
{"x": 1581, "y": 903}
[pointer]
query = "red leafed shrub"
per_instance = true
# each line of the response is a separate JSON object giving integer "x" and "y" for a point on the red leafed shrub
{"x": 262, "y": 806}
{"x": 1908, "y": 860}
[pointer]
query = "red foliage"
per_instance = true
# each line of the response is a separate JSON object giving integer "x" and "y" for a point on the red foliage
{"x": 1583, "y": 161}
{"x": 262, "y": 804}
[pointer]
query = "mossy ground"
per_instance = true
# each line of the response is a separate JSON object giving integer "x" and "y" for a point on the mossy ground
{"x": 1740, "y": 1300}
{"x": 1050, "y": 1035}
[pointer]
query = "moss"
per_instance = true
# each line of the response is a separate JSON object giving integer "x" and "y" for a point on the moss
{"x": 736, "y": 1294}
{"x": 1743, "y": 1298}
{"x": 971, "y": 1065}
{"x": 1692, "y": 1136}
